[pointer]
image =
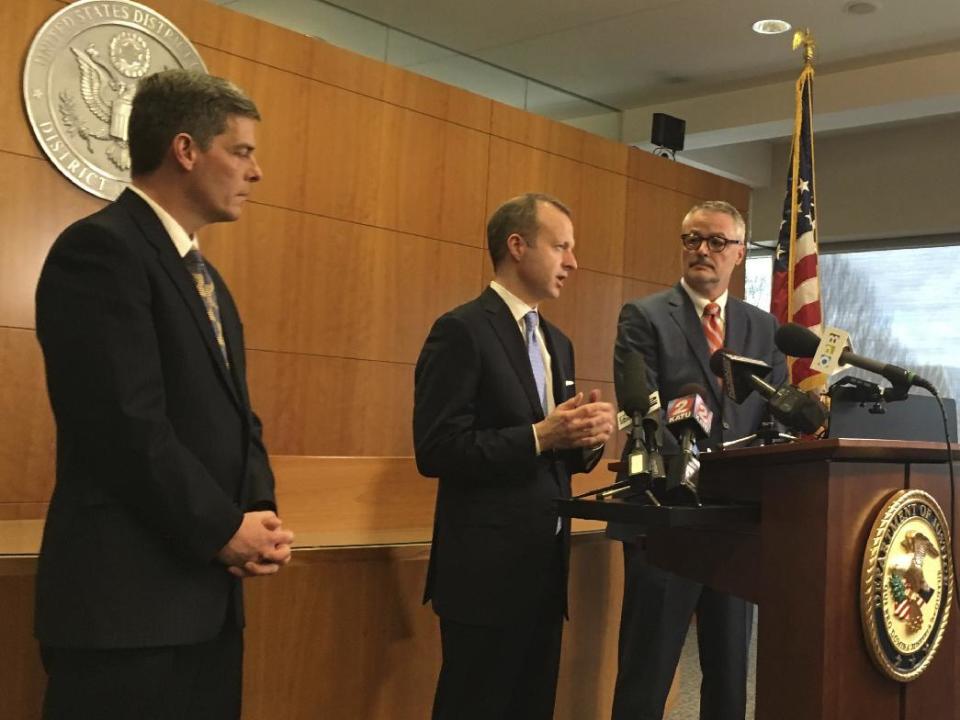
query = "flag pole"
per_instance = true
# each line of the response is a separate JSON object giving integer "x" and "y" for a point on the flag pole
{"x": 801, "y": 38}
{"x": 796, "y": 277}
{"x": 805, "y": 38}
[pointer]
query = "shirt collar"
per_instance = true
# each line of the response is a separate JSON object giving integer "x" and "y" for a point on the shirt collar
{"x": 181, "y": 241}
{"x": 700, "y": 302}
{"x": 518, "y": 308}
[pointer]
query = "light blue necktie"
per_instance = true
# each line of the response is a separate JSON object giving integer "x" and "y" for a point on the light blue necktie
{"x": 531, "y": 320}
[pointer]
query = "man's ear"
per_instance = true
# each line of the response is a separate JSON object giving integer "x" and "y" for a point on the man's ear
{"x": 516, "y": 245}
{"x": 184, "y": 150}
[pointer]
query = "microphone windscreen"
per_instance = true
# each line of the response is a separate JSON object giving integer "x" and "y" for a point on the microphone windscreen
{"x": 796, "y": 340}
{"x": 716, "y": 362}
{"x": 635, "y": 394}
{"x": 689, "y": 407}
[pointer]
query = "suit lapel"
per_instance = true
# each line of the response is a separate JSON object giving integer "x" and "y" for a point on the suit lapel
{"x": 230, "y": 320}
{"x": 735, "y": 326}
{"x": 685, "y": 315}
{"x": 509, "y": 335}
{"x": 175, "y": 269}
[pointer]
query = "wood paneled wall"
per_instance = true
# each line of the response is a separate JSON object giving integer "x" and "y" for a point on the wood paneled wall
{"x": 369, "y": 223}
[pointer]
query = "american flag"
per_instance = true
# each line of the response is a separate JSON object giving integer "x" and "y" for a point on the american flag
{"x": 902, "y": 609}
{"x": 796, "y": 278}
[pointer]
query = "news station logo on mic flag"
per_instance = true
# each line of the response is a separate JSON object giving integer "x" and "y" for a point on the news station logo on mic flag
{"x": 796, "y": 277}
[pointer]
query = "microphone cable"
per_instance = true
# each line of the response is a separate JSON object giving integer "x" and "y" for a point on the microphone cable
{"x": 953, "y": 492}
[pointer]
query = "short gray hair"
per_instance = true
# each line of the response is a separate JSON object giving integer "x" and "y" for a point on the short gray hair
{"x": 180, "y": 101}
{"x": 720, "y": 206}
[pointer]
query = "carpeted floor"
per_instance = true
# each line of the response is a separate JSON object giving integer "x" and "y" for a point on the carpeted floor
{"x": 688, "y": 700}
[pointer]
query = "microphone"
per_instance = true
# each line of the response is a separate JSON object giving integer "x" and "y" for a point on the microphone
{"x": 689, "y": 419}
{"x": 653, "y": 434}
{"x": 632, "y": 389}
{"x": 634, "y": 397}
{"x": 741, "y": 375}
{"x": 798, "y": 341}
{"x": 788, "y": 404}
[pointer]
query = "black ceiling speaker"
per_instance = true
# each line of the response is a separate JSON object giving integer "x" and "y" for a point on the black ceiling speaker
{"x": 667, "y": 131}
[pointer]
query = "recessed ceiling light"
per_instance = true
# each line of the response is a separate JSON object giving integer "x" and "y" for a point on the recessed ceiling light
{"x": 771, "y": 27}
{"x": 860, "y": 7}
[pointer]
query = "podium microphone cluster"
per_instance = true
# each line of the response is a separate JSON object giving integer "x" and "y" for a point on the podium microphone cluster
{"x": 799, "y": 341}
{"x": 788, "y": 404}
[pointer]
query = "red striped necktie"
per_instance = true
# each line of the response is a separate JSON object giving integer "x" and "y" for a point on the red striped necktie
{"x": 713, "y": 327}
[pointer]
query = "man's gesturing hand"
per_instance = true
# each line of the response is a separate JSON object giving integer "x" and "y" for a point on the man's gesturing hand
{"x": 576, "y": 424}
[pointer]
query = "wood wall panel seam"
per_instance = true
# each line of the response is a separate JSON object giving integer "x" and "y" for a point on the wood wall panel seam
{"x": 485, "y": 255}
{"x": 618, "y": 276}
{"x": 406, "y": 233}
{"x": 372, "y": 226}
{"x": 26, "y": 156}
{"x": 250, "y": 348}
{"x": 424, "y": 113}
{"x": 579, "y": 161}
{"x": 678, "y": 187}
{"x": 310, "y": 78}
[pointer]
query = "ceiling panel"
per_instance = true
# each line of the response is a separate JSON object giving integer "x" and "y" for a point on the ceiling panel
{"x": 621, "y": 52}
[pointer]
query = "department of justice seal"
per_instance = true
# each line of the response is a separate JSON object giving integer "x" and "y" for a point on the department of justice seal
{"x": 907, "y": 584}
{"x": 79, "y": 79}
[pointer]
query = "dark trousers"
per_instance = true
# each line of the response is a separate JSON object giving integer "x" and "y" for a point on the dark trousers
{"x": 657, "y": 609}
{"x": 506, "y": 672}
{"x": 185, "y": 682}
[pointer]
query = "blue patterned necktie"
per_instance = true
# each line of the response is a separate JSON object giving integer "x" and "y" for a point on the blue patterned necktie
{"x": 208, "y": 293}
{"x": 531, "y": 320}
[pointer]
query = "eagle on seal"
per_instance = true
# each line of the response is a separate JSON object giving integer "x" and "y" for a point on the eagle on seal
{"x": 910, "y": 564}
{"x": 108, "y": 93}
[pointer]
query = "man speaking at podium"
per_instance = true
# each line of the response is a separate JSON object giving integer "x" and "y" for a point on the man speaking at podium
{"x": 164, "y": 496}
{"x": 677, "y": 331}
{"x": 497, "y": 419}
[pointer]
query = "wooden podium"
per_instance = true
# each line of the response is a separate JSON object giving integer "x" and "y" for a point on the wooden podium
{"x": 802, "y": 563}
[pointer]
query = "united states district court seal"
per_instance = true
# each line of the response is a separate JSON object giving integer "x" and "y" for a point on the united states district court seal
{"x": 907, "y": 584}
{"x": 79, "y": 79}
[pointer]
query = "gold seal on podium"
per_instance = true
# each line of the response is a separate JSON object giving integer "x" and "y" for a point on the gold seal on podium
{"x": 907, "y": 584}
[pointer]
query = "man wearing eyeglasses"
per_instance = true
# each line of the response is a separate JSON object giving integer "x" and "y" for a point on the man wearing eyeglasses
{"x": 677, "y": 330}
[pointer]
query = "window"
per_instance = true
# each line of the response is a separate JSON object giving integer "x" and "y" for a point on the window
{"x": 899, "y": 305}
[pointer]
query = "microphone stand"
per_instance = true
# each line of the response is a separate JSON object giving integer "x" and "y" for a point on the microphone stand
{"x": 864, "y": 391}
{"x": 621, "y": 486}
{"x": 633, "y": 482}
{"x": 768, "y": 433}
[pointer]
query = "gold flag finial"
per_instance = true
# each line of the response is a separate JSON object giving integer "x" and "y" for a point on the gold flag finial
{"x": 804, "y": 38}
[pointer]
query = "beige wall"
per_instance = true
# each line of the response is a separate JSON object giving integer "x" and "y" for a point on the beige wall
{"x": 893, "y": 182}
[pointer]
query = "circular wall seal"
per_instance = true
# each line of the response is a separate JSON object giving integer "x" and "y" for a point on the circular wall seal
{"x": 79, "y": 79}
{"x": 907, "y": 584}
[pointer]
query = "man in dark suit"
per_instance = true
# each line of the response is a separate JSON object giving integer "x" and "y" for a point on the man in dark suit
{"x": 497, "y": 419}
{"x": 676, "y": 331}
{"x": 164, "y": 496}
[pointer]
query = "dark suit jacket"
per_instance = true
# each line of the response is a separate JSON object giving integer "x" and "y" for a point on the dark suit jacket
{"x": 666, "y": 329}
{"x": 158, "y": 452}
{"x": 494, "y": 536}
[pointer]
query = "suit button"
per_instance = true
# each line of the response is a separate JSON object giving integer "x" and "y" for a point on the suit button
{"x": 726, "y": 425}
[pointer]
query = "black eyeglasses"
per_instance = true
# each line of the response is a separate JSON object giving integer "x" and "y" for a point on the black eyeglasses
{"x": 716, "y": 243}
